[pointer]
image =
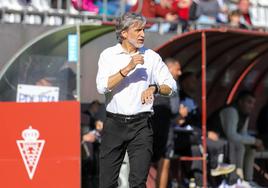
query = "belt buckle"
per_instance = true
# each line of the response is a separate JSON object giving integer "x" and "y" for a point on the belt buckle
{"x": 127, "y": 119}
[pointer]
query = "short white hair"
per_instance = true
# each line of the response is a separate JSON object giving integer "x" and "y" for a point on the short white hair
{"x": 125, "y": 21}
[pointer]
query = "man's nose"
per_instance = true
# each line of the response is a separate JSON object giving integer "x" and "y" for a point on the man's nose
{"x": 142, "y": 33}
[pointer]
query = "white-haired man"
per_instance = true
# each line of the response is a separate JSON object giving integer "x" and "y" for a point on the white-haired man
{"x": 129, "y": 75}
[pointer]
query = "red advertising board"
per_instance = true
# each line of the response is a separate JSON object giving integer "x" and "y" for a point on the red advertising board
{"x": 40, "y": 145}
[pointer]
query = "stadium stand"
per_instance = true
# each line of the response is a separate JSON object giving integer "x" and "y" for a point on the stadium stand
{"x": 61, "y": 12}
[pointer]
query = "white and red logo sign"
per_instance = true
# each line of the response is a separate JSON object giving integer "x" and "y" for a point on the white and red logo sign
{"x": 30, "y": 149}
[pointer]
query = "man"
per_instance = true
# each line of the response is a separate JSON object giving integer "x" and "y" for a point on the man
{"x": 234, "y": 18}
{"x": 244, "y": 8}
{"x": 192, "y": 143}
{"x": 65, "y": 79}
{"x": 125, "y": 75}
{"x": 91, "y": 126}
{"x": 209, "y": 11}
{"x": 165, "y": 110}
{"x": 231, "y": 123}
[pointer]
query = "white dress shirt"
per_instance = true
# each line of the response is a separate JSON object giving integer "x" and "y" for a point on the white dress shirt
{"x": 125, "y": 98}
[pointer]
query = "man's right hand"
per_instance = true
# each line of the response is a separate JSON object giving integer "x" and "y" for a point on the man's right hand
{"x": 99, "y": 125}
{"x": 89, "y": 137}
{"x": 259, "y": 145}
{"x": 213, "y": 135}
{"x": 136, "y": 59}
{"x": 183, "y": 111}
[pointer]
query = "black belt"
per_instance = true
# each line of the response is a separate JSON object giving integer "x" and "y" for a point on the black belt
{"x": 128, "y": 118}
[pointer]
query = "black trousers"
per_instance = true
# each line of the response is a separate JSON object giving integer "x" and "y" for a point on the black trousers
{"x": 134, "y": 136}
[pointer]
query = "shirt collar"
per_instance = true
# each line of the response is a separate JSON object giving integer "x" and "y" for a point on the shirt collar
{"x": 120, "y": 50}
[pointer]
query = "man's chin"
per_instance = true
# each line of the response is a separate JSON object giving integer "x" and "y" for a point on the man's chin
{"x": 139, "y": 45}
{"x": 135, "y": 44}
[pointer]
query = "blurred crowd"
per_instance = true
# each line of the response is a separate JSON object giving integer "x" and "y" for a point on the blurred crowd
{"x": 205, "y": 13}
{"x": 243, "y": 14}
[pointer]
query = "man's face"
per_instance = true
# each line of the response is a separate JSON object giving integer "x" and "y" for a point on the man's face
{"x": 135, "y": 35}
{"x": 247, "y": 105}
{"x": 175, "y": 70}
{"x": 95, "y": 108}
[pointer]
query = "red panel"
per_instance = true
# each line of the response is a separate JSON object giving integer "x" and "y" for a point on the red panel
{"x": 58, "y": 125}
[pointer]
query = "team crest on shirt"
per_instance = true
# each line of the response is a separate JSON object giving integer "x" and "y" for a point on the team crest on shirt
{"x": 30, "y": 149}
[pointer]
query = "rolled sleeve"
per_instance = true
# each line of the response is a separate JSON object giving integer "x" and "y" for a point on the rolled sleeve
{"x": 163, "y": 76}
{"x": 102, "y": 75}
{"x": 172, "y": 84}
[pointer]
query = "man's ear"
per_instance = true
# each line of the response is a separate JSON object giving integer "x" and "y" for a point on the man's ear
{"x": 124, "y": 34}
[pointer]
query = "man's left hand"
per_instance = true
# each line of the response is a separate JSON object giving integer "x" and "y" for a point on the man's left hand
{"x": 213, "y": 135}
{"x": 147, "y": 96}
